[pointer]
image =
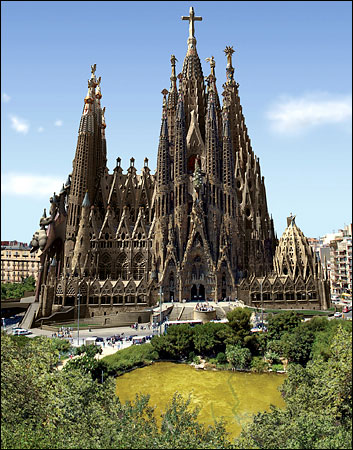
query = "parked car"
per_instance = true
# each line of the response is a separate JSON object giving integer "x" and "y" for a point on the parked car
{"x": 347, "y": 309}
{"x": 99, "y": 339}
{"x": 21, "y": 332}
{"x": 337, "y": 314}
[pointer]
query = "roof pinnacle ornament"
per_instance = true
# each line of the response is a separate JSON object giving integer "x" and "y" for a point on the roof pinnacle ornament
{"x": 291, "y": 220}
{"x": 103, "y": 125}
{"x": 212, "y": 65}
{"x": 173, "y": 60}
{"x": 93, "y": 79}
{"x": 164, "y": 93}
{"x": 98, "y": 89}
{"x": 229, "y": 70}
{"x": 191, "y": 18}
{"x": 92, "y": 83}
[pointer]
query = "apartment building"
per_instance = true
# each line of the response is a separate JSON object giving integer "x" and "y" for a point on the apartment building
{"x": 341, "y": 261}
{"x": 334, "y": 250}
{"x": 17, "y": 263}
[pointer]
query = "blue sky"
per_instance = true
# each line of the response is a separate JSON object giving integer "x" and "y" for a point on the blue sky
{"x": 292, "y": 61}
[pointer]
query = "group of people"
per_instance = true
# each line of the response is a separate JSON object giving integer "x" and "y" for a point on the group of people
{"x": 204, "y": 307}
{"x": 64, "y": 332}
{"x": 136, "y": 326}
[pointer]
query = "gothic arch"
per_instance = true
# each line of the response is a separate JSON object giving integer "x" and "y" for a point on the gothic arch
{"x": 138, "y": 267}
{"x": 122, "y": 266}
{"x": 105, "y": 266}
{"x": 289, "y": 289}
{"x": 59, "y": 289}
{"x": 83, "y": 291}
{"x": 118, "y": 288}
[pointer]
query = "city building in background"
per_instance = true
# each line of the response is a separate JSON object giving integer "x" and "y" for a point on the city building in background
{"x": 17, "y": 262}
{"x": 335, "y": 253}
{"x": 341, "y": 262}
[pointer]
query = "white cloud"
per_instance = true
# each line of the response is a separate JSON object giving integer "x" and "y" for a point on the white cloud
{"x": 19, "y": 125}
{"x": 292, "y": 115}
{"x": 5, "y": 98}
{"x": 58, "y": 123}
{"x": 27, "y": 185}
{"x": 40, "y": 130}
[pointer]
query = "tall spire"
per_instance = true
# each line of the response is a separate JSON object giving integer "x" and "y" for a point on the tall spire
{"x": 211, "y": 80}
{"x": 211, "y": 139}
{"x": 228, "y": 160}
{"x": 87, "y": 162}
{"x": 180, "y": 139}
{"x": 163, "y": 169}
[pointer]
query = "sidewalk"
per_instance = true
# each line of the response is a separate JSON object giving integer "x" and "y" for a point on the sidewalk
{"x": 107, "y": 350}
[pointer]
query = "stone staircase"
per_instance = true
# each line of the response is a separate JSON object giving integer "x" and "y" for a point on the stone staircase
{"x": 28, "y": 318}
{"x": 186, "y": 311}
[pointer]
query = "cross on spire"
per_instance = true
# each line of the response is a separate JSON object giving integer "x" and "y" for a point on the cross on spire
{"x": 191, "y": 18}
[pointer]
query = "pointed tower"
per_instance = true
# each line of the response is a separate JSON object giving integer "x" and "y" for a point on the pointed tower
{"x": 192, "y": 81}
{"x": 172, "y": 104}
{"x": 88, "y": 163}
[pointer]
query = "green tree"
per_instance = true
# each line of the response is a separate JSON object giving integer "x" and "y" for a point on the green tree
{"x": 297, "y": 345}
{"x": 282, "y": 322}
{"x": 176, "y": 344}
{"x": 318, "y": 410}
{"x": 209, "y": 338}
{"x": 239, "y": 321}
{"x": 238, "y": 357}
{"x": 17, "y": 290}
{"x": 43, "y": 407}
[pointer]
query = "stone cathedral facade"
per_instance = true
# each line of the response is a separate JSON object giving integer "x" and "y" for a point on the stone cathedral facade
{"x": 194, "y": 230}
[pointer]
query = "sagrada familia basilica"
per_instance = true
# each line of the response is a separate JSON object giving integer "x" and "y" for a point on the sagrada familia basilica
{"x": 197, "y": 229}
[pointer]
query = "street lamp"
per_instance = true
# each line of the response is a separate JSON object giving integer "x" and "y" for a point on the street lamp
{"x": 78, "y": 316}
{"x": 262, "y": 307}
{"x": 160, "y": 310}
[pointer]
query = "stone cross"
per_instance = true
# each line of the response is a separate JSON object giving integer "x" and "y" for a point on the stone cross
{"x": 191, "y": 18}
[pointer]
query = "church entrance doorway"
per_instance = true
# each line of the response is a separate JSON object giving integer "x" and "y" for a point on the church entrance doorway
{"x": 194, "y": 292}
{"x": 70, "y": 301}
{"x": 202, "y": 292}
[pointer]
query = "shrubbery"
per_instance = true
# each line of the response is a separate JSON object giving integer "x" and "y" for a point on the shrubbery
{"x": 42, "y": 407}
{"x": 238, "y": 357}
{"x": 258, "y": 364}
{"x": 128, "y": 358}
{"x": 74, "y": 408}
{"x": 17, "y": 290}
{"x": 318, "y": 412}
